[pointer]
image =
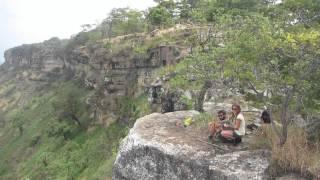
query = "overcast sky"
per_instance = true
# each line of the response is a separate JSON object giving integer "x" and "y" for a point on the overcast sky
{"x": 31, "y": 21}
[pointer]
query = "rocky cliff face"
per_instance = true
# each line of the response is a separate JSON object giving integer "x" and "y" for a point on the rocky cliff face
{"x": 111, "y": 71}
{"x": 44, "y": 56}
{"x": 94, "y": 61}
{"x": 157, "y": 147}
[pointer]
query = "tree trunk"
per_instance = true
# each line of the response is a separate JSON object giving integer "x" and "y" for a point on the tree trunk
{"x": 200, "y": 99}
{"x": 284, "y": 116}
{"x": 252, "y": 87}
{"x": 273, "y": 126}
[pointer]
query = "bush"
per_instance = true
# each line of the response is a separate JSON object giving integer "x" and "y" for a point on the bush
{"x": 35, "y": 140}
{"x": 187, "y": 101}
{"x": 58, "y": 129}
{"x": 132, "y": 108}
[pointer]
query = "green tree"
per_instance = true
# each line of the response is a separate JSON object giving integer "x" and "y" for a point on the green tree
{"x": 123, "y": 21}
{"x": 70, "y": 108}
{"x": 198, "y": 73}
{"x": 262, "y": 56}
{"x": 185, "y": 10}
{"x": 160, "y": 16}
{"x": 296, "y": 60}
{"x": 304, "y": 12}
{"x": 253, "y": 53}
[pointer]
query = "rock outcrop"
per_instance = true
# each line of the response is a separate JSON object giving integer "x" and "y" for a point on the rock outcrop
{"x": 45, "y": 56}
{"x": 157, "y": 147}
{"x": 113, "y": 72}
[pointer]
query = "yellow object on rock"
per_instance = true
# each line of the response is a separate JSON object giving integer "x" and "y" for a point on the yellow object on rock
{"x": 187, "y": 122}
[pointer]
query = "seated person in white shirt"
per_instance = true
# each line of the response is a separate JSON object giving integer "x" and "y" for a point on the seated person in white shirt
{"x": 237, "y": 129}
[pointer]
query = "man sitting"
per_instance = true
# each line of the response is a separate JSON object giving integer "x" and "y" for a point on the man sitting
{"x": 215, "y": 127}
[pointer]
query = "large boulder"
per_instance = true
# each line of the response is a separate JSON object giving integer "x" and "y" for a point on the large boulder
{"x": 158, "y": 147}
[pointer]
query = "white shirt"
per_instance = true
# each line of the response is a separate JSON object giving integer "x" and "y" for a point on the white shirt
{"x": 242, "y": 128}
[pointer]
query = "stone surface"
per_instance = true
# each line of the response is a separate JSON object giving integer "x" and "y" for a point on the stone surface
{"x": 290, "y": 177}
{"x": 158, "y": 147}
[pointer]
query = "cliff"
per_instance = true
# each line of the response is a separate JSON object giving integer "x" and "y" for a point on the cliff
{"x": 73, "y": 100}
{"x": 113, "y": 68}
{"x": 44, "y": 56}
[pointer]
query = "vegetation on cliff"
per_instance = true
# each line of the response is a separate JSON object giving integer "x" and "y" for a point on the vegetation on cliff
{"x": 266, "y": 50}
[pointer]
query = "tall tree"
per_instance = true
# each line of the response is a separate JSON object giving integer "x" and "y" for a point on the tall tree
{"x": 123, "y": 21}
{"x": 263, "y": 56}
{"x": 160, "y": 16}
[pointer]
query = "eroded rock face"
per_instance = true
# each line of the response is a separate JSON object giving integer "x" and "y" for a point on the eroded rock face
{"x": 113, "y": 73}
{"x": 44, "y": 56}
{"x": 158, "y": 147}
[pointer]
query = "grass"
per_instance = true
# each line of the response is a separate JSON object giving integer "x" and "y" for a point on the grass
{"x": 296, "y": 155}
{"x": 37, "y": 155}
{"x": 203, "y": 119}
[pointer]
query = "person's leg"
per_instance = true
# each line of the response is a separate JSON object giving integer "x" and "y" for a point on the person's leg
{"x": 218, "y": 131}
{"x": 225, "y": 138}
{"x": 237, "y": 139}
{"x": 210, "y": 127}
{"x": 213, "y": 127}
{"x": 211, "y": 130}
{"x": 217, "y": 127}
{"x": 227, "y": 134}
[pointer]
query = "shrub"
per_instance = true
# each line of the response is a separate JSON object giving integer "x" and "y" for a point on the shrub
{"x": 57, "y": 129}
{"x": 35, "y": 140}
{"x": 132, "y": 108}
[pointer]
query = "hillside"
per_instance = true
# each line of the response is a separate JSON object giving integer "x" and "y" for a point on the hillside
{"x": 66, "y": 105}
{"x": 39, "y": 80}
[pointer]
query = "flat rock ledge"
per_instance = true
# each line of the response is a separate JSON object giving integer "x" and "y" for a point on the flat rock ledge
{"x": 157, "y": 148}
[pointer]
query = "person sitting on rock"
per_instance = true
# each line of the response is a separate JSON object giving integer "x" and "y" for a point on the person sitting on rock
{"x": 264, "y": 119}
{"x": 215, "y": 127}
{"x": 237, "y": 129}
{"x": 264, "y": 130}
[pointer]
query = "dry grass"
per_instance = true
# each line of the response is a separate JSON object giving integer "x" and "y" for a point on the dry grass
{"x": 203, "y": 119}
{"x": 262, "y": 138}
{"x": 296, "y": 155}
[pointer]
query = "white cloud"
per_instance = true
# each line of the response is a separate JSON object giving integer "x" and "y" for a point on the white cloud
{"x": 29, "y": 21}
{"x": 63, "y": 17}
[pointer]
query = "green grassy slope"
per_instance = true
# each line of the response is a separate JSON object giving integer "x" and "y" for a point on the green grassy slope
{"x": 51, "y": 149}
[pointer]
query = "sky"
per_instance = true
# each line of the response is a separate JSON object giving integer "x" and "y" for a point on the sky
{"x": 32, "y": 21}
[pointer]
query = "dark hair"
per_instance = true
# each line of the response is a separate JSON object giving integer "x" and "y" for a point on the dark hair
{"x": 265, "y": 116}
{"x": 222, "y": 112}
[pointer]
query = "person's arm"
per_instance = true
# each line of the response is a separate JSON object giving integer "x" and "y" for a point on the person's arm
{"x": 237, "y": 124}
{"x": 235, "y": 127}
{"x": 226, "y": 127}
